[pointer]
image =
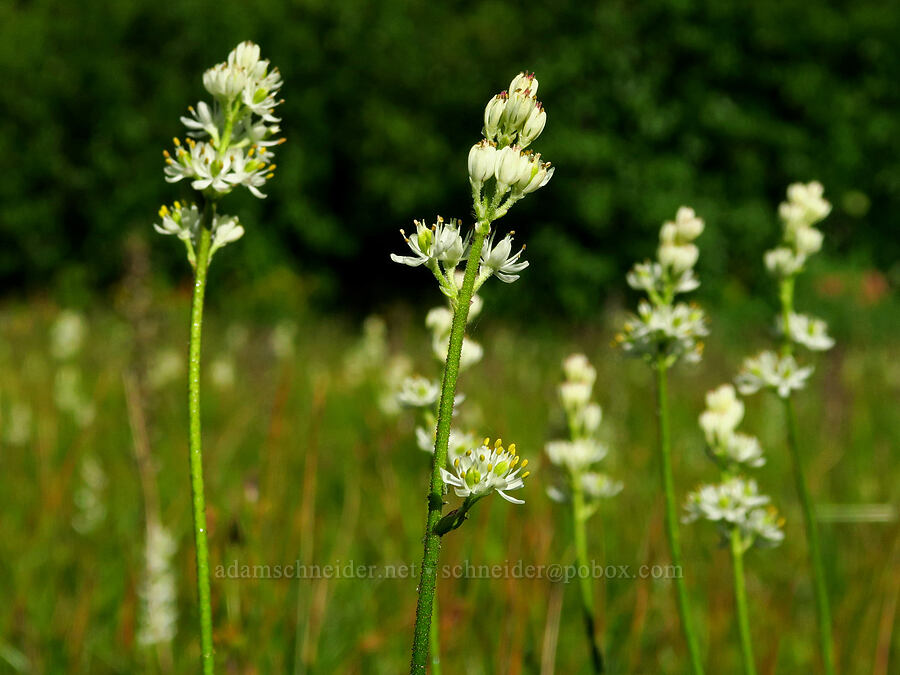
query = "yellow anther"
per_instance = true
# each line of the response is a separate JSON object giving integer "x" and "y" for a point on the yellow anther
{"x": 177, "y": 205}
{"x": 515, "y": 460}
{"x": 163, "y": 211}
{"x": 176, "y": 141}
{"x": 498, "y": 443}
{"x": 481, "y": 457}
{"x": 166, "y": 153}
{"x": 456, "y": 462}
{"x": 526, "y": 474}
{"x": 487, "y": 442}
{"x": 524, "y": 463}
{"x": 268, "y": 176}
{"x": 468, "y": 453}
{"x": 512, "y": 448}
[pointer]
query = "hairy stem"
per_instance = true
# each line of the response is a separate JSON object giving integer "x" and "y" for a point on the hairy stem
{"x": 740, "y": 601}
{"x": 432, "y": 548}
{"x": 584, "y": 579}
{"x": 196, "y": 453}
{"x": 671, "y": 517}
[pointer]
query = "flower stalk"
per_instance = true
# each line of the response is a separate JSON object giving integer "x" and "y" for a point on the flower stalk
{"x": 198, "y": 499}
{"x": 432, "y": 545}
{"x": 740, "y": 600}
{"x": 671, "y": 519}
{"x": 579, "y": 516}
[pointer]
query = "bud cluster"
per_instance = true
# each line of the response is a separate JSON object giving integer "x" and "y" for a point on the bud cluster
{"x": 728, "y": 447}
{"x": 583, "y": 448}
{"x": 804, "y": 208}
{"x": 513, "y": 120}
{"x": 662, "y": 327}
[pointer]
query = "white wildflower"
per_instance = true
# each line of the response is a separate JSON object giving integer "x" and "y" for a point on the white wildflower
{"x": 90, "y": 496}
{"x": 159, "y": 608}
{"x": 500, "y": 261}
{"x": 767, "y": 370}
{"x": 808, "y": 331}
{"x": 575, "y": 455}
{"x": 480, "y": 471}
{"x": 783, "y": 261}
{"x": 440, "y": 242}
{"x": 418, "y": 392}
{"x": 67, "y": 335}
{"x": 578, "y": 368}
{"x": 724, "y": 411}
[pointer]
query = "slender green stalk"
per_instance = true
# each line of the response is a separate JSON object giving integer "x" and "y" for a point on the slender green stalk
{"x": 740, "y": 601}
{"x": 823, "y": 608}
{"x": 435, "y": 637}
{"x": 432, "y": 548}
{"x": 584, "y": 580}
{"x": 671, "y": 518}
{"x": 196, "y": 453}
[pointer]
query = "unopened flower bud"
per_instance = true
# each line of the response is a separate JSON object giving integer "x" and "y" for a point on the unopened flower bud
{"x": 808, "y": 240}
{"x": 534, "y": 125}
{"x": 678, "y": 258}
{"x": 493, "y": 111}
{"x": 689, "y": 226}
{"x": 508, "y": 165}
{"x": 482, "y": 159}
{"x": 667, "y": 233}
{"x": 524, "y": 82}
{"x": 783, "y": 262}
{"x": 518, "y": 108}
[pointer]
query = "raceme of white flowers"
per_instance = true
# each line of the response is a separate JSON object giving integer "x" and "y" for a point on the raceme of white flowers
{"x": 90, "y": 496}
{"x": 576, "y": 455}
{"x": 663, "y": 327}
{"x": 478, "y": 472}
{"x": 159, "y": 609}
{"x": 228, "y": 144}
{"x": 501, "y": 172}
{"x": 804, "y": 208}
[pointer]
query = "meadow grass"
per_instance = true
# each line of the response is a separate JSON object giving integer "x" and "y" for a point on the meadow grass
{"x": 302, "y": 466}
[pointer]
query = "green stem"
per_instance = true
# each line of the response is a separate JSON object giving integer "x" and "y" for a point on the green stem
{"x": 435, "y": 638}
{"x": 196, "y": 453}
{"x": 584, "y": 580}
{"x": 740, "y": 601}
{"x": 672, "y": 533}
{"x": 428, "y": 572}
{"x": 823, "y": 610}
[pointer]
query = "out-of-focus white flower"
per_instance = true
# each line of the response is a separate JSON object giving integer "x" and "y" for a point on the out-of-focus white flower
{"x": 589, "y": 418}
{"x": 17, "y": 424}
{"x": 808, "y": 331}
{"x": 651, "y": 278}
{"x": 159, "y": 608}
{"x": 575, "y": 395}
{"x": 69, "y": 396}
{"x": 498, "y": 260}
{"x": 783, "y": 261}
{"x": 768, "y": 370}
{"x": 674, "y": 331}
{"x": 575, "y": 455}
{"x": 166, "y": 366}
{"x": 805, "y": 205}
{"x": 67, "y": 334}
{"x": 807, "y": 240}
{"x": 439, "y": 320}
{"x": 741, "y": 449}
{"x": 599, "y": 485}
{"x": 724, "y": 411}
{"x": 418, "y": 392}
{"x": 481, "y": 470}
{"x": 676, "y": 252}
{"x": 247, "y": 76}
{"x": 90, "y": 496}
{"x": 578, "y": 368}
{"x": 736, "y": 503}
{"x": 283, "y": 338}
{"x": 221, "y": 372}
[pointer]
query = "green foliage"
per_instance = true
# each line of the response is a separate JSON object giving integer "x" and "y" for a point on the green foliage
{"x": 651, "y": 105}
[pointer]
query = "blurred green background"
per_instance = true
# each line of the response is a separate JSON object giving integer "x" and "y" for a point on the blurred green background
{"x": 650, "y": 105}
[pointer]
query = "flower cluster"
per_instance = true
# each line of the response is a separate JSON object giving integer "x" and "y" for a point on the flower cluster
{"x": 478, "y": 472}
{"x": 228, "y": 144}
{"x": 583, "y": 449}
{"x": 805, "y": 206}
{"x": 768, "y": 370}
{"x": 737, "y": 503}
{"x": 513, "y": 120}
{"x": 663, "y": 328}
{"x": 728, "y": 447}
